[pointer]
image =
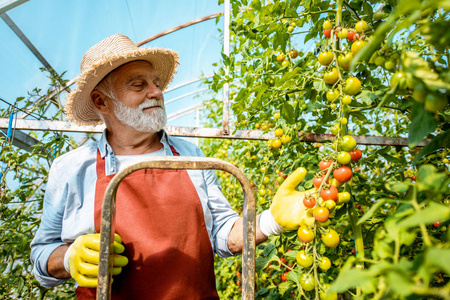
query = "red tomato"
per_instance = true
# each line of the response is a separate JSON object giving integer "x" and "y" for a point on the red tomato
{"x": 321, "y": 214}
{"x": 436, "y": 224}
{"x": 281, "y": 173}
{"x": 284, "y": 276}
{"x": 325, "y": 164}
{"x": 309, "y": 202}
{"x": 330, "y": 194}
{"x": 283, "y": 260}
{"x": 327, "y": 33}
{"x": 413, "y": 177}
{"x": 343, "y": 174}
{"x": 352, "y": 36}
{"x": 317, "y": 181}
{"x": 356, "y": 154}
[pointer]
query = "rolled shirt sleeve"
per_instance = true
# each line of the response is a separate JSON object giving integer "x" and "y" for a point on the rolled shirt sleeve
{"x": 223, "y": 215}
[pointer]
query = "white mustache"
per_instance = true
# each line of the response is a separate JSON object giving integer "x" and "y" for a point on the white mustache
{"x": 151, "y": 103}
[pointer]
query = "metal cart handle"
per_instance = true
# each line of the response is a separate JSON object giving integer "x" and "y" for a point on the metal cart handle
{"x": 176, "y": 162}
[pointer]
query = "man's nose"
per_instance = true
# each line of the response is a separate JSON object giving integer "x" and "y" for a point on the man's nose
{"x": 154, "y": 92}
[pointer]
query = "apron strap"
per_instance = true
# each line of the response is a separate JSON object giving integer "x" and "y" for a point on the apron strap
{"x": 174, "y": 152}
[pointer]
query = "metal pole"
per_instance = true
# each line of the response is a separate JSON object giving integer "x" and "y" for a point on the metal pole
{"x": 192, "y": 163}
{"x": 226, "y": 51}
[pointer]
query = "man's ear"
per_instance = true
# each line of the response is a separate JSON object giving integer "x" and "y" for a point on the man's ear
{"x": 101, "y": 102}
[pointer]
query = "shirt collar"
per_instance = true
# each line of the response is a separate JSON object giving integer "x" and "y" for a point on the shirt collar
{"x": 105, "y": 148}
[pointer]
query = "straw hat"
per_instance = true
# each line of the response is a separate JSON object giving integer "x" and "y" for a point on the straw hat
{"x": 103, "y": 58}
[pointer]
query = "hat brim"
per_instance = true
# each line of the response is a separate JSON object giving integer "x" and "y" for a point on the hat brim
{"x": 79, "y": 107}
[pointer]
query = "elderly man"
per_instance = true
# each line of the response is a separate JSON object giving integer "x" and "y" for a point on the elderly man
{"x": 170, "y": 221}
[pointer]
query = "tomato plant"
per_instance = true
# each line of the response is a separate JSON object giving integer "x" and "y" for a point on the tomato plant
{"x": 342, "y": 85}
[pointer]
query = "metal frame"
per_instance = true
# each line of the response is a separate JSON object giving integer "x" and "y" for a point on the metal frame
{"x": 6, "y": 5}
{"x": 202, "y": 132}
{"x": 26, "y": 41}
{"x": 107, "y": 226}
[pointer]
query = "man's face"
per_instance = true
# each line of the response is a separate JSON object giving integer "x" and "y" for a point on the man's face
{"x": 139, "y": 102}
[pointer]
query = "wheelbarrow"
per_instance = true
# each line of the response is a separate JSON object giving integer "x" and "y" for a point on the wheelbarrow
{"x": 176, "y": 162}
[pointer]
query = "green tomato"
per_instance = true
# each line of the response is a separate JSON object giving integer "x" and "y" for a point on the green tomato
{"x": 357, "y": 46}
{"x": 307, "y": 282}
{"x": 361, "y": 26}
{"x": 379, "y": 61}
{"x": 378, "y": 15}
{"x": 420, "y": 92}
{"x": 389, "y": 64}
{"x": 435, "y": 102}
{"x": 331, "y": 77}
{"x": 400, "y": 79}
{"x": 344, "y": 60}
{"x": 343, "y": 197}
{"x": 304, "y": 260}
{"x": 346, "y": 100}
{"x": 335, "y": 129}
{"x": 332, "y": 95}
{"x": 343, "y": 33}
{"x": 344, "y": 158}
{"x": 325, "y": 58}
{"x": 325, "y": 263}
{"x": 352, "y": 86}
{"x": 331, "y": 239}
{"x": 327, "y": 24}
{"x": 348, "y": 143}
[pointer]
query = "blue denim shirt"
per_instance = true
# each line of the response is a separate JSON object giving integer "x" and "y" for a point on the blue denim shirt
{"x": 69, "y": 201}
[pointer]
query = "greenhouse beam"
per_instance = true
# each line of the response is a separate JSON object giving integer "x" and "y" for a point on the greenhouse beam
{"x": 6, "y": 5}
{"x": 26, "y": 41}
{"x": 201, "y": 132}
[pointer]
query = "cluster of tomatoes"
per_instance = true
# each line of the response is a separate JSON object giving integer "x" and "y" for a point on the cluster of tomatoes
{"x": 334, "y": 172}
{"x": 332, "y": 75}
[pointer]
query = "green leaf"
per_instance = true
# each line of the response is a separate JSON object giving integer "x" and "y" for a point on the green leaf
{"x": 291, "y": 254}
{"x": 440, "y": 141}
{"x": 294, "y": 276}
{"x": 287, "y": 112}
{"x": 399, "y": 282}
{"x": 428, "y": 178}
{"x": 320, "y": 86}
{"x": 371, "y": 211}
{"x": 422, "y": 124}
{"x": 367, "y": 97}
{"x": 269, "y": 250}
{"x": 350, "y": 278}
{"x": 397, "y": 186}
{"x": 434, "y": 211}
{"x": 439, "y": 257}
{"x": 359, "y": 115}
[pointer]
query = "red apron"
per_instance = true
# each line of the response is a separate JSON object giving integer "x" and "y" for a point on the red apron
{"x": 160, "y": 220}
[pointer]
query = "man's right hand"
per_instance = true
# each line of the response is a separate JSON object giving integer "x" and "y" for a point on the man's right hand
{"x": 82, "y": 258}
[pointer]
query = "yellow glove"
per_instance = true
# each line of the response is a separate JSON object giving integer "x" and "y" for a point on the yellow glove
{"x": 82, "y": 259}
{"x": 287, "y": 207}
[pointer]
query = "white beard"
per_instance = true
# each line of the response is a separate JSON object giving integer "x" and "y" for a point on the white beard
{"x": 140, "y": 121}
